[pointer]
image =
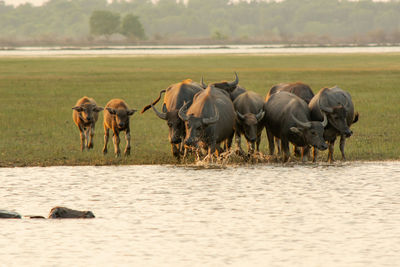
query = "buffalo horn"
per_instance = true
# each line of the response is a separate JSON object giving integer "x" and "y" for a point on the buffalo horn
{"x": 260, "y": 115}
{"x": 240, "y": 115}
{"x": 182, "y": 112}
{"x": 302, "y": 124}
{"x": 162, "y": 116}
{"x": 235, "y": 82}
{"x": 211, "y": 120}
{"x": 323, "y": 108}
{"x": 325, "y": 122}
{"x": 202, "y": 83}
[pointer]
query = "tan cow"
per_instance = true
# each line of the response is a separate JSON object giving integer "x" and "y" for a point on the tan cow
{"x": 116, "y": 118}
{"x": 85, "y": 114}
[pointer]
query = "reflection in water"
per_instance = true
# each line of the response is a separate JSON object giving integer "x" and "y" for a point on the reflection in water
{"x": 268, "y": 215}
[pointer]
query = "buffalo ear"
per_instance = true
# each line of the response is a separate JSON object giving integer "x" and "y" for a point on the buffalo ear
{"x": 327, "y": 109}
{"x": 98, "y": 109}
{"x": 77, "y": 108}
{"x": 131, "y": 112}
{"x": 296, "y": 131}
{"x": 112, "y": 111}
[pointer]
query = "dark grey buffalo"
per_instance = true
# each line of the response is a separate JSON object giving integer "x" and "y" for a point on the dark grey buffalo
{"x": 300, "y": 89}
{"x": 232, "y": 88}
{"x": 338, "y": 106}
{"x": 249, "y": 108}
{"x": 175, "y": 96}
{"x": 210, "y": 120}
{"x": 288, "y": 118}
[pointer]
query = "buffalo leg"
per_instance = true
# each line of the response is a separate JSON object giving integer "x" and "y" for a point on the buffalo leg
{"x": 330, "y": 151}
{"x": 106, "y": 135}
{"x": 342, "y": 143}
{"x": 285, "y": 149}
{"x": 278, "y": 145}
{"x": 315, "y": 154}
{"x": 91, "y": 135}
{"x": 271, "y": 143}
{"x": 229, "y": 142}
{"x": 175, "y": 151}
{"x": 258, "y": 141}
{"x": 116, "y": 140}
{"x": 297, "y": 152}
{"x": 82, "y": 135}
{"x": 127, "y": 151}
{"x": 238, "y": 141}
{"x": 305, "y": 152}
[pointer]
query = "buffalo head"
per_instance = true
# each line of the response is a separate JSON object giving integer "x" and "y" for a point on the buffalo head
{"x": 312, "y": 132}
{"x": 175, "y": 124}
{"x": 337, "y": 118}
{"x": 228, "y": 86}
{"x": 195, "y": 126}
{"x": 249, "y": 122}
{"x": 121, "y": 116}
{"x": 87, "y": 112}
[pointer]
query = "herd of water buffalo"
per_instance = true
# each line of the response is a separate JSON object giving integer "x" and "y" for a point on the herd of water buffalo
{"x": 204, "y": 117}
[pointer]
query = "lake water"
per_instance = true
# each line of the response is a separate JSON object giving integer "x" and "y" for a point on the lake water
{"x": 346, "y": 214}
{"x": 188, "y": 50}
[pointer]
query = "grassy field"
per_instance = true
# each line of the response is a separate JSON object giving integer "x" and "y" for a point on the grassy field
{"x": 37, "y": 95}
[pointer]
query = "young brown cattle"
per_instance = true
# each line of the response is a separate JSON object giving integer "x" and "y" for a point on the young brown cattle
{"x": 116, "y": 118}
{"x": 85, "y": 114}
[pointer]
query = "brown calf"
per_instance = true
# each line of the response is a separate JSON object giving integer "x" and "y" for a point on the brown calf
{"x": 116, "y": 118}
{"x": 85, "y": 115}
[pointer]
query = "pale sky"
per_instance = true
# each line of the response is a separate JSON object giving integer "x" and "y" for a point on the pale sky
{"x": 39, "y": 2}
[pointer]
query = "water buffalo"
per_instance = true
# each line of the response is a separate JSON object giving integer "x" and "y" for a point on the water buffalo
{"x": 232, "y": 88}
{"x": 175, "y": 96}
{"x": 298, "y": 88}
{"x": 338, "y": 106}
{"x": 249, "y": 120}
{"x": 210, "y": 120}
{"x": 5, "y": 214}
{"x": 85, "y": 114}
{"x": 288, "y": 118}
{"x": 116, "y": 118}
{"x": 63, "y": 212}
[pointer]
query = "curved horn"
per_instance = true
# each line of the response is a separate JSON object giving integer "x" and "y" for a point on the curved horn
{"x": 162, "y": 116}
{"x": 240, "y": 116}
{"x": 182, "y": 112}
{"x": 235, "y": 82}
{"x": 323, "y": 108}
{"x": 211, "y": 120}
{"x": 302, "y": 124}
{"x": 154, "y": 102}
{"x": 202, "y": 83}
{"x": 325, "y": 122}
{"x": 260, "y": 115}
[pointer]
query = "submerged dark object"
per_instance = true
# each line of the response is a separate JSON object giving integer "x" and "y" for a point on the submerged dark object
{"x": 63, "y": 212}
{"x": 5, "y": 214}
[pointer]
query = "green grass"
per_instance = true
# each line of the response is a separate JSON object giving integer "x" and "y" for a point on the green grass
{"x": 36, "y": 127}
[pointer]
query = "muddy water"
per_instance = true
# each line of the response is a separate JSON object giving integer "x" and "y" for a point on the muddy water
{"x": 264, "y": 215}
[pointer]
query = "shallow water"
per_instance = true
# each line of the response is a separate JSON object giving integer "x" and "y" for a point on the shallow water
{"x": 262, "y": 215}
{"x": 189, "y": 50}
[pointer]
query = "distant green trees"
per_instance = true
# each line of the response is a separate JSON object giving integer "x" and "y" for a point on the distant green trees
{"x": 104, "y": 22}
{"x": 132, "y": 28}
{"x": 287, "y": 21}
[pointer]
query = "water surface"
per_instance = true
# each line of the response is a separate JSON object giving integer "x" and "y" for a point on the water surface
{"x": 261, "y": 215}
{"x": 189, "y": 50}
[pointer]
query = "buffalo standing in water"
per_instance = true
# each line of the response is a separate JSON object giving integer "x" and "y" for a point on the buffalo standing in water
{"x": 300, "y": 89}
{"x": 338, "y": 106}
{"x": 210, "y": 120}
{"x": 249, "y": 120}
{"x": 288, "y": 118}
{"x": 175, "y": 96}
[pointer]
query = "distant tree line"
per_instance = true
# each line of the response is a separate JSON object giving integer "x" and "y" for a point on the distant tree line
{"x": 169, "y": 21}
